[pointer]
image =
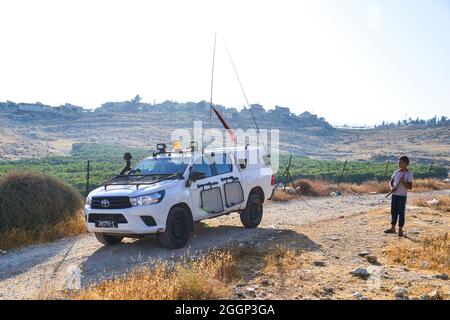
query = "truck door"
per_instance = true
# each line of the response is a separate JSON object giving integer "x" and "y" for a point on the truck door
{"x": 206, "y": 194}
{"x": 229, "y": 176}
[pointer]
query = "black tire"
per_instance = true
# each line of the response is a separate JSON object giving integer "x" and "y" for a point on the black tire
{"x": 108, "y": 240}
{"x": 252, "y": 215}
{"x": 178, "y": 229}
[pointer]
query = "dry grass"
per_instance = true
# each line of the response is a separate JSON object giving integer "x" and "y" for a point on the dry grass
{"x": 320, "y": 188}
{"x": 369, "y": 187}
{"x": 16, "y": 238}
{"x": 206, "y": 277}
{"x": 281, "y": 260}
{"x": 282, "y": 196}
{"x": 425, "y": 290}
{"x": 443, "y": 203}
{"x": 420, "y": 185}
{"x": 430, "y": 253}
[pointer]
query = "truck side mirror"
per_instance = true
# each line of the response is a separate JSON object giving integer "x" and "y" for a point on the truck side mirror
{"x": 197, "y": 175}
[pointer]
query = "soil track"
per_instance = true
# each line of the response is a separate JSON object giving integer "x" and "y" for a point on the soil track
{"x": 33, "y": 271}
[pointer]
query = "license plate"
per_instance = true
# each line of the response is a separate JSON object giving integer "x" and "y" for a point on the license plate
{"x": 106, "y": 224}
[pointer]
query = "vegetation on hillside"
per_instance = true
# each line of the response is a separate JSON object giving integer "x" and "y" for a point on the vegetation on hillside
{"x": 107, "y": 161}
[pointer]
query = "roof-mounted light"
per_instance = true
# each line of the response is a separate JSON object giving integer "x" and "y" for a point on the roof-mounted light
{"x": 161, "y": 147}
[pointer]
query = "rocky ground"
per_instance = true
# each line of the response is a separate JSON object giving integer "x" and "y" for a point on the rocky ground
{"x": 344, "y": 258}
{"x": 334, "y": 236}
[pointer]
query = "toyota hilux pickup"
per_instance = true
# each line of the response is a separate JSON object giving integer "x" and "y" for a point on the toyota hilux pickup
{"x": 166, "y": 193}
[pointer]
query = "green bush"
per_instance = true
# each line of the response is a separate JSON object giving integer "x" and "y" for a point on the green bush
{"x": 30, "y": 200}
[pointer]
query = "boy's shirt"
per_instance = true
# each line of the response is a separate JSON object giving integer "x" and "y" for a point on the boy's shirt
{"x": 401, "y": 189}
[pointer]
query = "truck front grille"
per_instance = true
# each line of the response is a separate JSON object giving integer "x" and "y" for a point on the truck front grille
{"x": 110, "y": 203}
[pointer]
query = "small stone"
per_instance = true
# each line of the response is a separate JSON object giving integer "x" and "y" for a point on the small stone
{"x": 372, "y": 259}
{"x": 250, "y": 290}
{"x": 319, "y": 263}
{"x": 265, "y": 282}
{"x": 361, "y": 273}
{"x": 441, "y": 276}
{"x": 400, "y": 292}
{"x": 3, "y": 252}
{"x": 433, "y": 295}
{"x": 433, "y": 202}
{"x": 357, "y": 295}
{"x": 363, "y": 253}
{"x": 328, "y": 289}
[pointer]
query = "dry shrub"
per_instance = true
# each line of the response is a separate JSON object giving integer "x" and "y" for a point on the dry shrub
{"x": 204, "y": 278}
{"x": 36, "y": 208}
{"x": 15, "y": 238}
{"x": 280, "y": 260}
{"x": 370, "y": 187}
{"x": 429, "y": 184}
{"x": 315, "y": 187}
{"x": 420, "y": 290}
{"x": 431, "y": 252}
{"x": 283, "y": 196}
{"x": 207, "y": 276}
{"x": 443, "y": 204}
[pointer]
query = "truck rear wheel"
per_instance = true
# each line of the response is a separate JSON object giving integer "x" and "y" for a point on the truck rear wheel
{"x": 108, "y": 240}
{"x": 252, "y": 215}
{"x": 178, "y": 229}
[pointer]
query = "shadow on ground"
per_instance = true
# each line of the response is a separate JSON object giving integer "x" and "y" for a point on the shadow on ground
{"x": 109, "y": 261}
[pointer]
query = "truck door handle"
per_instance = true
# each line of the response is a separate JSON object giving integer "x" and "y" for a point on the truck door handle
{"x": 230, "y": 178}
{"x": 209, "y": 184}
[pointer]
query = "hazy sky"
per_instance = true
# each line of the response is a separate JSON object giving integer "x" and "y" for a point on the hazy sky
{"x": 350, "y": 61}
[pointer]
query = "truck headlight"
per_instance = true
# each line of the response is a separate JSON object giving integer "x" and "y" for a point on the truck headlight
{"x": 88, "y": 201}
{"x": 148, "y": 199}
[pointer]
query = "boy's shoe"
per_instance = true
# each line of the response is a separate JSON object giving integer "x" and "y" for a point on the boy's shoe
{"x": 400, "y": 234}
{"x": 389, "y": 231}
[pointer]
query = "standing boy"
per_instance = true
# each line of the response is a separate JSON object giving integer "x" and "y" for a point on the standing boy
{"x": 400, "y": 183}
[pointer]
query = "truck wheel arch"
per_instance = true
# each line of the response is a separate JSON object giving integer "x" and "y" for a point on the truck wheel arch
{"x": 259, "y": 191}
{"x": 185, "y": 206}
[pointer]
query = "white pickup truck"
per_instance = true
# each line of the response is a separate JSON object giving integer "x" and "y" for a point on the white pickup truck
{"x": 165, "y": 194}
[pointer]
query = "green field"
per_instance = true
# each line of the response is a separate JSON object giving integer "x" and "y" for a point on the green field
{"x": 106, "y": 161}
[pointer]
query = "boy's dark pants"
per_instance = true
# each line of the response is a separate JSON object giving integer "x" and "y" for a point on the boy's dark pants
{"x": 398, "y": 206}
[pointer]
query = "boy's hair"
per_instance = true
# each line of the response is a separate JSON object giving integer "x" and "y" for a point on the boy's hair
{"x": 404, "y": 159}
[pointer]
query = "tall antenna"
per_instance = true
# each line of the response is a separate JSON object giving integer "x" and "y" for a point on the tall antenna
{"x": 212, "y": 81}
{"x": 245, "y": 96}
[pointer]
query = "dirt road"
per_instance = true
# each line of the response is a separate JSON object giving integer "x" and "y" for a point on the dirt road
{"x": 33, "y": 271}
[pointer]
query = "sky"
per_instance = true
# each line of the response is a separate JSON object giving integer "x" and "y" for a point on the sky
{"x": 350, "y": 61}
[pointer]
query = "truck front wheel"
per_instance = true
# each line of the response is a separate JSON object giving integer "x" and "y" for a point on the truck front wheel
{"x": 178, "y": 229}
{"x": 108, "y": 240}
{"x": 251, "y": 216}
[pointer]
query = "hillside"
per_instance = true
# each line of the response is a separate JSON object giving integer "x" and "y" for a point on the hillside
{"x": 36, "y": 130}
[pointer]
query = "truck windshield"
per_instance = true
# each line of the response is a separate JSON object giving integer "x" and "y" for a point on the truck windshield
{"x": 161, "y": 166}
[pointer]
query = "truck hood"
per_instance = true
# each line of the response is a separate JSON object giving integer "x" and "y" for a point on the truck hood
{"x": 131, "y": 191}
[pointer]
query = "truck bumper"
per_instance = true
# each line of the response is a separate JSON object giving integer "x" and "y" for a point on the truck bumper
{"x": 130, "y": 220}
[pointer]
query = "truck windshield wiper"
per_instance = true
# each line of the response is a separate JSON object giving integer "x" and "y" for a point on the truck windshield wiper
{"x": 124, "y": 179}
